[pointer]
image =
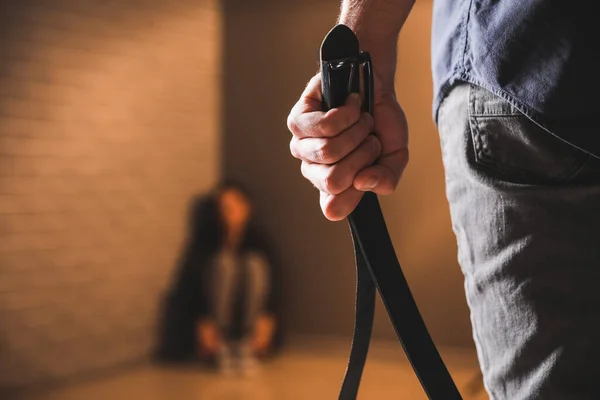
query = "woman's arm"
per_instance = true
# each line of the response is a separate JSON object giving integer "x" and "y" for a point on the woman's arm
{"x": 207, "y": 337}
{"x": 264, "y": 331}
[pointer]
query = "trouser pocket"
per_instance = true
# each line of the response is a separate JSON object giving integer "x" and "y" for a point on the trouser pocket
{"x": 513, "y": 148}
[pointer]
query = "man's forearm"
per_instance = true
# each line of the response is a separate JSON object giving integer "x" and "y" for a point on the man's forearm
{"x": 377, "y": 24}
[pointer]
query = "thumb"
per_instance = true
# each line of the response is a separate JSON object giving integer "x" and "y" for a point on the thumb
{"x": 383, "y": 177}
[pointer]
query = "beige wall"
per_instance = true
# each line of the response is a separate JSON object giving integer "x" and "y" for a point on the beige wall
{"x": 271, "y": 50}
{"x": 418, "y": 211}
{"x": 110, "y": 115}
{"x": 109, "y": 122}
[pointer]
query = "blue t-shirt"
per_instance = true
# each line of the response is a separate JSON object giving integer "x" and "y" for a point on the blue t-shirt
{"x": 543, "y": 56}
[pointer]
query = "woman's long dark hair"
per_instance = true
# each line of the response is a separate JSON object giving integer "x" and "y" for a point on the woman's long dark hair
{"x": 209, "y": 227}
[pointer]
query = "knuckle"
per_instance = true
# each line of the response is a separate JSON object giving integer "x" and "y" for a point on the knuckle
{"x": 292, "y": 123}
{"x": 325, "y": 151}
{"x": 337, "y": 120}
{"x": 330, "y": 184}
{"x": 293, "y": 147}
{"x": 304, "y": 169}
{"x": 326, "y": 127}
{"x": 334, "y": 181}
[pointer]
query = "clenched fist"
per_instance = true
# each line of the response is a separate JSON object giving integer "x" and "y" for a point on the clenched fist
{"x": 339, "y": 155}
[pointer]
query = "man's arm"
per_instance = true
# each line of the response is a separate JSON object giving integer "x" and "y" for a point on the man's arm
{"x": 377, "y": 24}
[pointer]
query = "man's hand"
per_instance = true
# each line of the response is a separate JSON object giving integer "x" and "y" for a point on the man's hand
{"x": 339, "y": 156}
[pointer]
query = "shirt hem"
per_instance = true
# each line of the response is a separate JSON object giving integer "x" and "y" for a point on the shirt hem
{"x": 535, "y": 116}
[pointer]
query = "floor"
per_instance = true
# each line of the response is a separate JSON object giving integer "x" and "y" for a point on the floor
{"x": 308, "y": 369}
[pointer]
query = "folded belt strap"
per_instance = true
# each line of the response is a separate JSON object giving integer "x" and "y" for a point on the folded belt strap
{"x": 377, "y": 266}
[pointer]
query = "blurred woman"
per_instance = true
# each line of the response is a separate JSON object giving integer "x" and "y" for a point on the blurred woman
{"x": 227, "y": 285}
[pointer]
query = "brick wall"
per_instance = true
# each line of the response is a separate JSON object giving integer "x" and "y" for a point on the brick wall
{"x": 109, "y": 123}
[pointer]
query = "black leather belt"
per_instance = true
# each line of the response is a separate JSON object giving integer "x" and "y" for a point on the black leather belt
{"x": 342, "y": 64}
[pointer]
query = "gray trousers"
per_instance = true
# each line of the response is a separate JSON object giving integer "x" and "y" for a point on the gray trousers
{"x": 238, "y": 277}
{"x": 525, "y": 209}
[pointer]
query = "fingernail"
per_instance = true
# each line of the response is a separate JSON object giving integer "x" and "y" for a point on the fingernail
{"x": 369, "y": 183}
{"x": 354, "y": 98}
{"x": 375, "y": 142}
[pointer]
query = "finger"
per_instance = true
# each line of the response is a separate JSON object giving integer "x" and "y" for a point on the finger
{"x": 383, "y": 177}
{"x": 307, "y": 120}
{"x": 336, "y": 178}
{"x": 332, "y": 150}
{"x": 311, "y": 101}
{"x": 311, "y": 98}
{"x": 313, "y": 90}
{"x": 338, "y": 207}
